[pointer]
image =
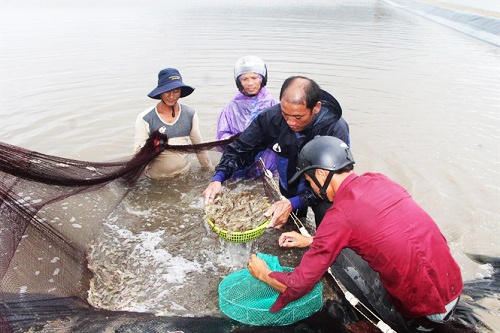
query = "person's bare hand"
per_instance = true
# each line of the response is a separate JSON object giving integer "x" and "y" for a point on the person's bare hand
{"x": 280, "y": 211}
{"x": 211, "y": 191}
{"x": 258, "y": 267}
{"x": 259, "y": 270}
{"x": 294, "y": 239}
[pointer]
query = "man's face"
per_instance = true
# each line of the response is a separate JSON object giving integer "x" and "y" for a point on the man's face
{"x": 321, "y": 178}
{"x": 298, "y": 116}
{"x": 311, "y": 183}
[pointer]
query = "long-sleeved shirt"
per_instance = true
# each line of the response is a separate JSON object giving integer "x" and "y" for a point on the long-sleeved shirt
{"x": 378, "y": 219}
{"x": 184, "y": 130}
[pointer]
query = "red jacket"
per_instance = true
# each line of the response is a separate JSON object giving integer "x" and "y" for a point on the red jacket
{"x": 378, "y": 219}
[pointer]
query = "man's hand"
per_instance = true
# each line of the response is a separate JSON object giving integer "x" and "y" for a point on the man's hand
{"x": 280, "y": 212}
{"x": 211, "y": 191}
{"x": 259, "y": 270}
{"x": 294, "y": 239}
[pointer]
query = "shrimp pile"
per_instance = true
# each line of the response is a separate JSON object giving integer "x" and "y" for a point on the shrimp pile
{"x": 237, "y": 212}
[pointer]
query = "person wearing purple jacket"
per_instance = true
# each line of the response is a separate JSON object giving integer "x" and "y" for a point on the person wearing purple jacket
{"x": 250, "y": 74}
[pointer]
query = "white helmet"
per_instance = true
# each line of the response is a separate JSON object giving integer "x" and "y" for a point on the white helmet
{"x": 250, "y": 64}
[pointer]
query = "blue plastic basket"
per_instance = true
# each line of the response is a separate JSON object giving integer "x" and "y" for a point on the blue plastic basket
{"x": 248, "y": 300}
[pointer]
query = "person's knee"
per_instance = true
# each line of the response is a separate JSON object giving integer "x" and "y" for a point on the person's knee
{"x": 418, "y": 325}
{"x": 430, "y": 322}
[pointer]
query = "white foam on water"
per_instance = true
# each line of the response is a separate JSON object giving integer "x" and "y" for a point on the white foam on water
{"x": 197, "y": 204}
{"x": 144, "y": 277}
{"x": 130, "y": 210}
{"x": 233, "y": 255}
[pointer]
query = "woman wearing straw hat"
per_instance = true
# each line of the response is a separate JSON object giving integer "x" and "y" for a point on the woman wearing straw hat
{"x": 178, "y": 121}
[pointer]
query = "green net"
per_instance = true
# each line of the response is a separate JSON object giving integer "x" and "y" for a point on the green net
{"x": 248, "y": 300}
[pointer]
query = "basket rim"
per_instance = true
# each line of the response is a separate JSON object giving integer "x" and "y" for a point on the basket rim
{"x": 219, "y": 230}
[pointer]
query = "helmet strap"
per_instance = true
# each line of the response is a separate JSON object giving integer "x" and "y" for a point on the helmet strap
{"x": 324, "y": 187}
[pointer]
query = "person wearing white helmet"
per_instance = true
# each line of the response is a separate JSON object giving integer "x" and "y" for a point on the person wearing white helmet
{"x": 250, "y": 75}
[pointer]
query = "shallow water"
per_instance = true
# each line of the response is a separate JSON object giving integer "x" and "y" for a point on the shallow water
{"x": 422, "y": 101}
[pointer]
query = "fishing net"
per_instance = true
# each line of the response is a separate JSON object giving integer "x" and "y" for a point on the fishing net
{"x": 51, "y": 208}
{"x": 248, "y": 300}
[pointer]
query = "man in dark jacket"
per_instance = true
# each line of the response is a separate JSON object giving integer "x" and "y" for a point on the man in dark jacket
{"x": 304, "y": 112}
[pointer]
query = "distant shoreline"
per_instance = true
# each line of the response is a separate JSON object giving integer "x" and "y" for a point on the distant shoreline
{"x": 464, "y": 8}
{"x": 477, "y": 23}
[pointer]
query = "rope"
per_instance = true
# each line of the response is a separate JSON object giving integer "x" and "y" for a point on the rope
{"x": 296, "y": 220}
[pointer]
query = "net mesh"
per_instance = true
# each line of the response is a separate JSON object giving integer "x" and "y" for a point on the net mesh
{"x": 248, "y": 300}
{"x": 43, "y": 263}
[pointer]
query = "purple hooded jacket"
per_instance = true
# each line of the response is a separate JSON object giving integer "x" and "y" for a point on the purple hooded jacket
{"x": 238, "y": 113}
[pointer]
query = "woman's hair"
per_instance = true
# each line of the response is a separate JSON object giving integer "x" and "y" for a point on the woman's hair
{"x": 311, "y": 89}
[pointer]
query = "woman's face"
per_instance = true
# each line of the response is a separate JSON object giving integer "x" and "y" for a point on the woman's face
{"x": 171, "y": 97}
{"x": 251, "y": 83}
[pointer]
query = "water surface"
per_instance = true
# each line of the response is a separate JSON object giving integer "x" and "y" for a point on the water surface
{"x": 422, "y": 102}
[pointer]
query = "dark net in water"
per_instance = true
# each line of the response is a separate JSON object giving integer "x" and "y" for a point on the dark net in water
{"x": 44, "y": 275}
{"x": 44, "y": 272}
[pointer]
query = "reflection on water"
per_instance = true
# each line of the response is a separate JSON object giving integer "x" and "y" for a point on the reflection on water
{"x": 421, "y": 100}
